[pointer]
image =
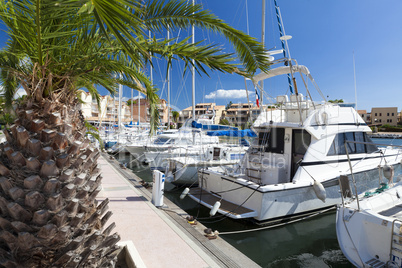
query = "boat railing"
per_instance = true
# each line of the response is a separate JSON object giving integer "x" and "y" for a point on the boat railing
{"x": 344, "y": 181}
{"x": 396, "y": 239}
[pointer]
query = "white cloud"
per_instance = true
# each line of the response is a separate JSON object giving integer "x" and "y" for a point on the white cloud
{"x": 134, "y": 98}
{"x": 228, "y": 94}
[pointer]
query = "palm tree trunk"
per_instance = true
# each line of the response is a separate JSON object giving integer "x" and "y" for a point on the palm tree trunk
{"x": 49, "y": 180}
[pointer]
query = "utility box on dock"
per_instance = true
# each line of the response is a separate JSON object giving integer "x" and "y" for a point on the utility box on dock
{"x": 157, "y": 188}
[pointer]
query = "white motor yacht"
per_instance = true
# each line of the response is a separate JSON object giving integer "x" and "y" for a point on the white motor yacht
{"x": 292, "y": 168}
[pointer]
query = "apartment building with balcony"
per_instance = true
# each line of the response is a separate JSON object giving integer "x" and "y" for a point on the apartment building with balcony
{"x": 108, "y": 112}
{"x": 365, "y": 116}
{"x": 202, "y": 109}
{"x": 239, "y": 113}
{"x": 143, "y": 114}
{"x": 384, "y": 115}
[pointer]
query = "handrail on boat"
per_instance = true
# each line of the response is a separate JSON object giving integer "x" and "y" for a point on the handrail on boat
{"x": 392, "y": 237}
{"x": 350, "y": 164}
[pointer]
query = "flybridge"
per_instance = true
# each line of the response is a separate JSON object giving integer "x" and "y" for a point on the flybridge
{"x": 283, "y": 70}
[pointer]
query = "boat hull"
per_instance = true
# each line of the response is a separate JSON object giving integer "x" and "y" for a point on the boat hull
{"x": 367, "y": 235}
{"x": 271, "y": 202}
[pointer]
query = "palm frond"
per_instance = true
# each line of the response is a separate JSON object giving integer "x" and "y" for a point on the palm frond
{"x": 94, "y": 132}
{"x": 160, "y": 15}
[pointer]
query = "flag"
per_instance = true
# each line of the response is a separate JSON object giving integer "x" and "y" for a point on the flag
{"x": 257, "y": 98}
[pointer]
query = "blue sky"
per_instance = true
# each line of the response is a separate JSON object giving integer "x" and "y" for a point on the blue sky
{"x": 325, "y": 34}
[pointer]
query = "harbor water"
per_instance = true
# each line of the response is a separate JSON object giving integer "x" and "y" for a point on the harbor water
{"x": 310, "y": 242}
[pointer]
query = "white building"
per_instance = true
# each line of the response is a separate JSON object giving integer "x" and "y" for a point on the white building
{"x": 108, "y": 109}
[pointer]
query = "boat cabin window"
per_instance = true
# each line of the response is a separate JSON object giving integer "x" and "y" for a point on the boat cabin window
{"x": 273, "y": 140}
{"x": 338, "y": 145}
{"x": 217, "y": 152}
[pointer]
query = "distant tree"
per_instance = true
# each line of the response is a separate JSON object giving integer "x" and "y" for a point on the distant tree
{"x": 336, "y": 101}
{"x": 228, "y": 105}
{"x": 247, "y": 125}
{"x": 131, "y": 101}
{"x": 224, "y": 121}
{"x": 175, "y": 115}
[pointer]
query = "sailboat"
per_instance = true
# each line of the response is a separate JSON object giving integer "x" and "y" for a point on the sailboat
{"x": 146, "y": 151}
{"x": 369, "y": 224}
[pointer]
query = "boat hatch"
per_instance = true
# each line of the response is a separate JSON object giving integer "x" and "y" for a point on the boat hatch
{"x": 227, "y": 208}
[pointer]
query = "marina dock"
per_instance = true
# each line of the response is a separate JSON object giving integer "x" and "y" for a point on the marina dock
{"x": 161, "y": 237}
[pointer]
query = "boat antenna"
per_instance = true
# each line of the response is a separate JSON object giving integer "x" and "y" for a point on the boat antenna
{"x": 283, "y": 39}
{"x": 354, "y": 77}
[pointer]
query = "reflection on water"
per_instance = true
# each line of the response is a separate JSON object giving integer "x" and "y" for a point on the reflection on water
{"x": 308, "y": 243}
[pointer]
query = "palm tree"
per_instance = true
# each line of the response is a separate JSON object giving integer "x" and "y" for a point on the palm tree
{"x": 175, "y": 115}
{"x": 49, "y": 178}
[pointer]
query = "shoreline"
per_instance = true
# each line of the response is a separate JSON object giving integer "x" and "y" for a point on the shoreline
{"x": 387, "y": 135}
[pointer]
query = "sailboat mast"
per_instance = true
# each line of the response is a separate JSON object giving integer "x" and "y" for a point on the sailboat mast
{"x": 168, "y": 85}
{"x": 131, "y": 105}
{"x": 139, "y": 108}
{"x": 193, "y": 70}
{"x": 120, "y": 97}
{"x": 354, "y": 78}
{"x": 262, "y": 42}
{"x": 150, "y": 68}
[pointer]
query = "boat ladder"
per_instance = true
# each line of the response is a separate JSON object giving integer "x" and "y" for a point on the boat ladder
{"x": 253, "y": 165}
{"x": 375, "y": 263}
{"x": 395, "y": 254}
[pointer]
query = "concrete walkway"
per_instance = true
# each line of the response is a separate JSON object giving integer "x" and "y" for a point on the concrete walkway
{"x": 158, "y": 241}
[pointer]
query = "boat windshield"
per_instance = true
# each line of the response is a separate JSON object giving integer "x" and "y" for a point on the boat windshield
{"x": 338, "y": 145}
{"x": 161, "y": 141}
